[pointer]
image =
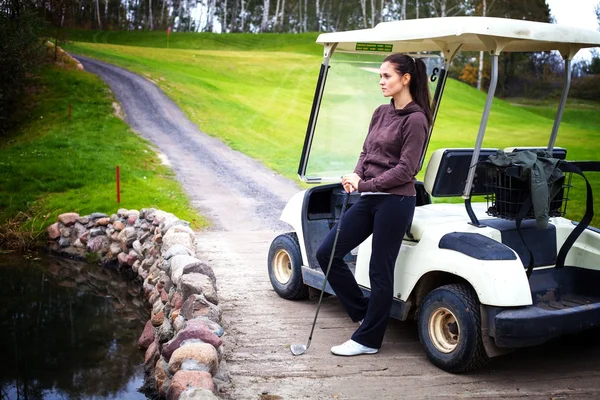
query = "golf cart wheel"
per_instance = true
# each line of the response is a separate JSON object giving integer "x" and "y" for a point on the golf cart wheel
{"x": 285, "y": 267}
{"x": 450, "y": 328}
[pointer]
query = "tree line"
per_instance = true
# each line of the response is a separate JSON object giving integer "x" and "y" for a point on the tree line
{"x": 291, "y": 16}
{"x": 22, "y": 22}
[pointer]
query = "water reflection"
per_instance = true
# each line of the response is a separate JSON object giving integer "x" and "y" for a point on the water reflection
{"x": 68, "y": 331}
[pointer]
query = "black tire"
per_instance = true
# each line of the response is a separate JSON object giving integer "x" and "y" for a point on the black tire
{"x": 285, "y": 267}
{"x": 452, "y": 340}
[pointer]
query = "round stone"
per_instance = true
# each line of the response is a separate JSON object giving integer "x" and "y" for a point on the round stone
{"x": 201, "y": 354}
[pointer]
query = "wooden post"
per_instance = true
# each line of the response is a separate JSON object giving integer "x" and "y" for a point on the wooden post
{"x": 118, "y": 185}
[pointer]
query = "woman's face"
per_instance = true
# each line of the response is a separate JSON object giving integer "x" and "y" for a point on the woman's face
{"x": 391, "y": 82}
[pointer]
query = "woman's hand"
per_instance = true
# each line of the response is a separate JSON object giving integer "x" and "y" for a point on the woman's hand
{"x": 348, "y": 188}
{"x": 350, "y": 182}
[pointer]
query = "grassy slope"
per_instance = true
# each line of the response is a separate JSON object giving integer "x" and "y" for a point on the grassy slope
{"x": 256, "y": 102}
{"x": 259, "y": 101}
{"x": 51, "y": 165}
{"x": 509, "y": 124}
{"x": 297, "y": 43}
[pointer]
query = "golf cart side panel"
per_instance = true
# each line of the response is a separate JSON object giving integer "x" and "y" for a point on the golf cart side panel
{"x": 314, "y": 278}
{"x": 585, "y": 252}
{"x": 499, "y": 282}
{"x": 292, "y": 215}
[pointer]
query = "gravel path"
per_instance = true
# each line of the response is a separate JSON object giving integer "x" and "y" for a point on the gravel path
{"x": 233, "y": 190}
{"x": 244, "y": 200}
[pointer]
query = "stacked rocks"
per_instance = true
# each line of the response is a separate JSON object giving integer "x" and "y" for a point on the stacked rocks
{"x": 184, "y": 351}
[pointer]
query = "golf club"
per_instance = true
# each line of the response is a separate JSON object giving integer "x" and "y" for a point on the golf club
{"x": 299, "y": 349}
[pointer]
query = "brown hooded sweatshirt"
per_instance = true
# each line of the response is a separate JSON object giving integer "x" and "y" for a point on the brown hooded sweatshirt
{"x": 392, "y": 150}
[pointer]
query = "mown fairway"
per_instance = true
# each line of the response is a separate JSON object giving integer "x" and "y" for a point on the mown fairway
{"x": 255, "y": 91}
{"x": 257, "y": 102}
{"x": 295, "y": 43}
{"x": 52, "y": 164}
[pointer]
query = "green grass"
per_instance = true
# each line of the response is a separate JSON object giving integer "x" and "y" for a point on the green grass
{"x": 51, "y": 164}
{"x": 296, "y": 43}
{"x": 257, "y": 100}
{"x": 530, "y": 125}
{"x": 509, "y": 124}
{"x": 579, "y": 112}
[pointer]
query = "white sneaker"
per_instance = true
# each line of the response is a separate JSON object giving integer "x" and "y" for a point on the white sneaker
{"x": 352, "y": 348}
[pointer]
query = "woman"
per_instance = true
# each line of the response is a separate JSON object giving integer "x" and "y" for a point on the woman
{"x": 385, "y": 178}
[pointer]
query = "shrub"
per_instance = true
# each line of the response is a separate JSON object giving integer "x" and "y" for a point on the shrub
{"x": 469, "y": 74}
{"x": 586, "y": 88}
{"x": 21, "y": 52}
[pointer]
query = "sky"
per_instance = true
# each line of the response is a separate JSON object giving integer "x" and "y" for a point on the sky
{"x": 578, "y": 13}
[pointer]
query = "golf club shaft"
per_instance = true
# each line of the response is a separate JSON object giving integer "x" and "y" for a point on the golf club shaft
{"x": 337, "y": 232}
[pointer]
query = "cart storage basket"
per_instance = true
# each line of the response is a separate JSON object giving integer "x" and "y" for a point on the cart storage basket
{"x": 509, "y": 190}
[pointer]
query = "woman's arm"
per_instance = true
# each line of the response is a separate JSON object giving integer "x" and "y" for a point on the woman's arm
{"x": 410, "y": 156}
{"x": 361, "y": 158}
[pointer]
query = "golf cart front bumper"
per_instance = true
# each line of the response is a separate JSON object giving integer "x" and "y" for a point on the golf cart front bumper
{"x": 536, "y": 324}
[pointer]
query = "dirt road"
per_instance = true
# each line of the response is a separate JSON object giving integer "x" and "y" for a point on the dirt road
{"x": 244, "y": 200}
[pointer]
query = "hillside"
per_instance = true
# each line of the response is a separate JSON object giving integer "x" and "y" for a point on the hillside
{"x": 255, "y": 94}
{"x": 297, "y": 43}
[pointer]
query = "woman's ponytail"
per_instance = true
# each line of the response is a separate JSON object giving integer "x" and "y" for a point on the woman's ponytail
{"x": 419, "y": 88}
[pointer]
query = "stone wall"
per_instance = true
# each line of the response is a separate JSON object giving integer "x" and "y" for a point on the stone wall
{"x": 184, "y": 351}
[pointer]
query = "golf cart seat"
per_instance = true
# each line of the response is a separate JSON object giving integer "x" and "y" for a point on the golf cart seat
{"x": 427, "y": 217}
{"x": 445, "y": 176}
{"x": 557, "y": 152}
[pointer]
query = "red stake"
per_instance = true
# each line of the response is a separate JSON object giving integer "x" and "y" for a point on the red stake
{"x": 118, "y": 185}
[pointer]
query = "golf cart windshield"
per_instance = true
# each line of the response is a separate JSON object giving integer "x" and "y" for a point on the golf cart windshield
{"x": 350, "y": 96}
{"x": 347, "y": 89}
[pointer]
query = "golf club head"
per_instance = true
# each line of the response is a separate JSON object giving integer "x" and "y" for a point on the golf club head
{"x": 298, "y": 349}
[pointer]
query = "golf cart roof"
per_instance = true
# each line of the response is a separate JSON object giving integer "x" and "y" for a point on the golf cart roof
{"x": 466, "y": 33}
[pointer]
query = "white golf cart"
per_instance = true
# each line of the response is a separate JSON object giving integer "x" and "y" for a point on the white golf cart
{"x": 481, "y": 278}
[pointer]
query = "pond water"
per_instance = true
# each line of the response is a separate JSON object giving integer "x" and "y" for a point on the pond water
{"x": 68, "y": 330}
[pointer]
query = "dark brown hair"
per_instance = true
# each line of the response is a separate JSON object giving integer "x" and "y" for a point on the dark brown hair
{"x": 419, "y": 88}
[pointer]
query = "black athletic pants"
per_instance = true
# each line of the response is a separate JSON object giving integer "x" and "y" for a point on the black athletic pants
{"x": 387, "y": 218}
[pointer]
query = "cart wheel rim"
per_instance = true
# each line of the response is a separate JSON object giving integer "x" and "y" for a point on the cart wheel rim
{"x": 282, "y": 266}
{"x": 444, "y": 330}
